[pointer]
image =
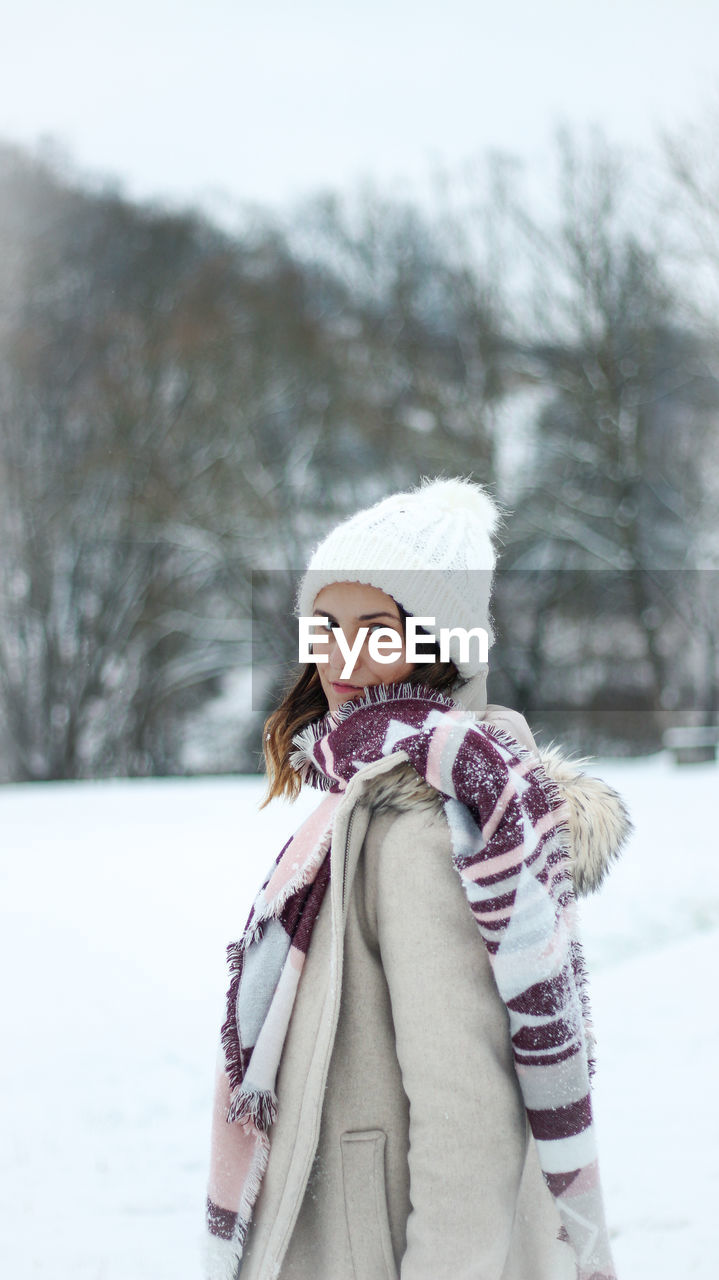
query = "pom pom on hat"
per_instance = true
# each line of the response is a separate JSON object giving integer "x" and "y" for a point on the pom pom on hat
{"x": 457, "y": 494}
{"x": 430, "y": 549}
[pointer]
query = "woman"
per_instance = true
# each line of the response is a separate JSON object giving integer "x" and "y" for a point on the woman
{"x": 404, "y": 1084}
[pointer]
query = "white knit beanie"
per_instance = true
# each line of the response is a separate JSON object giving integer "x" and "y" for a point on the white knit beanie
{"x": 430, "y": 549}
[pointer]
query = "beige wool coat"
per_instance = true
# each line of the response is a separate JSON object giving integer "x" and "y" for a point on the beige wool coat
{"x": 401, "y": 1150}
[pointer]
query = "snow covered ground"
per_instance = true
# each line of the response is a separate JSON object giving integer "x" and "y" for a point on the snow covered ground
{"x": 117, "y": 901}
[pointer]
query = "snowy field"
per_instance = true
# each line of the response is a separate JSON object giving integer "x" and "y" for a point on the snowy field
{"x": 117, "y": 901}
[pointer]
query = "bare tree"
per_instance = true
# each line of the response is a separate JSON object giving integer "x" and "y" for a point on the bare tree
{"x": 103, "y": 476}
{"x": 616, "y": 482}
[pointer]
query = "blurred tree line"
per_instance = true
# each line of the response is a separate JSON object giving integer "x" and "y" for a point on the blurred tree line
{"x": 182, "y": 408}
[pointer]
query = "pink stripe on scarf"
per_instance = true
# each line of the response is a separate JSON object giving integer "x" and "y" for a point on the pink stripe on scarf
{"x": 328, "y": 757}
{"x": 586, "y": 1180}
{"x": 499, "y": 810}
{"x": 520, "y": 769}
{"x": 442, "y": 735}
{"x": 301, "y": 845}
{"x": 504, "y": 862}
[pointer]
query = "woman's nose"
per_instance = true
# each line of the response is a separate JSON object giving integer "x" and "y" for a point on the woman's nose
{"x": 336, "y": 659}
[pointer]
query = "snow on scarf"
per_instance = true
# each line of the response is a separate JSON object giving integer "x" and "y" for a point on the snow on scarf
{"x": 509, "y": 836}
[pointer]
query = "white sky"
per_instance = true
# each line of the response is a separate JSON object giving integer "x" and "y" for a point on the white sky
{"x": 270, "y": 100}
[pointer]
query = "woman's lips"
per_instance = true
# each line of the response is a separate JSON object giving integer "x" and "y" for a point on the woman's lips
{"x": 339, "y": 687}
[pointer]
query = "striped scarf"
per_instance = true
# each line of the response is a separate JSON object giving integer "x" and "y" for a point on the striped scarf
{"x": 509, "y": 838}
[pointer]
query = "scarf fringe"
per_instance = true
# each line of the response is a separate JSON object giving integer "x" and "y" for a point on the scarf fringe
{"x": 222, "y": 1257}
{"x": 579, "y": 967}
{"x": 229, "y": 1032}
{"x": 253, "y": 932}
{"x": 251, "y": 1189}
{"x": 390, "y": 693}
{"x": 253, "y": 1106}
{"x": 301, "y": 759}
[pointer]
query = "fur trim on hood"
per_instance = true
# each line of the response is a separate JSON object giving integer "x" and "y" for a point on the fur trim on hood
{"x": 599, "y": 820}
{"x": 599, "y": 823}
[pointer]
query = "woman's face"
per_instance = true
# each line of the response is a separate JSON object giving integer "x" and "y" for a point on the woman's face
{"x": 351, "y": 606}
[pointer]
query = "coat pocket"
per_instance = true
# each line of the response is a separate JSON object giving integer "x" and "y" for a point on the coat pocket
{"x": 366, "y": 1205}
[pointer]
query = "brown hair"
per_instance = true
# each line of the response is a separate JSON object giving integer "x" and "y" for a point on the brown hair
{"x": 305, "y": 701}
